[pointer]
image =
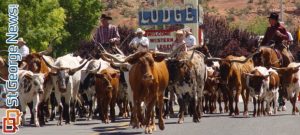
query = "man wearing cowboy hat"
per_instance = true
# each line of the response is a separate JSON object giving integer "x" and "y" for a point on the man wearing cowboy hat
{"x": 23, "y": 49}
{"x": 179, "y": 41}
{"x": 140, "y": 42}
{"x": 277, "y": 34}
{"x": 190, "y": 40}
{"x": 106, "y": 33}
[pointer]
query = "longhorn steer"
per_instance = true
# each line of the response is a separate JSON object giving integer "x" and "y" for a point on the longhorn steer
{"x": 107, "y": 86}
{"x": 231, "y": 70}
{"x": 187, "y": 75}
{"x": 31, "y": 90}
{"x": 66, "y": 83}
{"x": 290, "y": 80}
{"x": 88, "y": 80}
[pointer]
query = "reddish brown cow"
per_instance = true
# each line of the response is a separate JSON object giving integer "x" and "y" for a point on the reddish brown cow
{"x": 148, "y": 79}
{"x": 107, "y": 87}
{"x": 231, "y": 70}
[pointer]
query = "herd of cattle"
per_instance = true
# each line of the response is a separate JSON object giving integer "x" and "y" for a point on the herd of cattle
{"x": 143, "y": 85}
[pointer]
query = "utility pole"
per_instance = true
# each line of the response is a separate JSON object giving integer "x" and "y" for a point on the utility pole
{"x": 281, "y": 10}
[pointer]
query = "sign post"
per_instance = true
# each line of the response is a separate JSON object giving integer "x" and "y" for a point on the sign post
{"x": 184, "y": 12}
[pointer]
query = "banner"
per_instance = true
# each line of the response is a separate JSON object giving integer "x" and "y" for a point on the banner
{"x": 161, "y": 39}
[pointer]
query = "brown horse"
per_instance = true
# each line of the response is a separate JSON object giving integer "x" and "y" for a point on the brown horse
{"x": 271, "y": 57}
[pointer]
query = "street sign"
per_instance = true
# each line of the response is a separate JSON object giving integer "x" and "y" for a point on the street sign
{"x": 160, "y": 39}
{"x": 175, "y": 15}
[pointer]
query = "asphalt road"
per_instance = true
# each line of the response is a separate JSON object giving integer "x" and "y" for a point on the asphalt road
{"x": 211, "y": 124}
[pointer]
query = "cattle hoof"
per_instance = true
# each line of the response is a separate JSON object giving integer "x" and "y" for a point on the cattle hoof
{"x": 148, "y": 130}
{"x": 283, "y": 108}
{"x": 37, "y": 125}
{"x": 246, "y": 114}
{"x": 180, "y": 121}
{"x": 293, "y": 113}
{"x": 167, "y": 117}
{"x": 196, "y": 120}
{"x": 161, "y": 125}
{"x": 221, "y": 112}
{"x": 59, "y": 124}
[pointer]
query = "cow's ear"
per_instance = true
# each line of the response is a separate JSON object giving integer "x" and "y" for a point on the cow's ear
{"x": 295, "y": 79}
{"x": 135, "y": 57}
{"x": 158, "y": 58}
{"x": 115, "y": 75}
{"x": 295, "y": 70}
{"x": 28, "y": 76}
{"x": 99, "y": 75}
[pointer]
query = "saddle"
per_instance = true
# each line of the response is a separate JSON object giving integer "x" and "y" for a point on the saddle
{"x": 279, "y": 55}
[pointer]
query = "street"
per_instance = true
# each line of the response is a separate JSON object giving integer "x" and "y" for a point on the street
{"x": 211, "y": 124}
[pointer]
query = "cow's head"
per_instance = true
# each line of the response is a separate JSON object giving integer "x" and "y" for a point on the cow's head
{"x": 105, "y": 77}
{"x": 226, "y": 65}
{"x": 256, "y": 81}
{"x": 288, "y": 75}
{"x": 34, "y": 62}
{"x": 33, "y": 82}
{"x": 63, "y": 74}
{"x": 180, "y": 70}
{"x": 225, "y": 71}
{"x": 145, "y": 61}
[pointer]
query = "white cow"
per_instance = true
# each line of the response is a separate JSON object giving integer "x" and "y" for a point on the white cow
{"x": 31, "y": 88}
{"x": 263, "y": 84}
{"x": 66, "y": 81}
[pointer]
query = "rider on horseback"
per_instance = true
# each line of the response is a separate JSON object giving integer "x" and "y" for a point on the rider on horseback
{"x": 276, "y": 34}
{"x": 107, "y": 34}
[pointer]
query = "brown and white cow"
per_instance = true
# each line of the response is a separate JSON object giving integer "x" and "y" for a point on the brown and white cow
{"x": 31, "y": 90}
{"x": 36, "y": 64}
{"x": 107, "y": 87}
{"x": 231, "y": 70}
{"x": 263, "y": 85}
{"x": 212, "y": 92}
{"x": 290, "y": 80}
{"x": 187, "y": 77}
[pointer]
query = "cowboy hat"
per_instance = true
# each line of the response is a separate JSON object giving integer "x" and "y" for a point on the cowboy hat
{"x": 21, "y": 40}
{"x": 139, "y": 30}
{"x": 104, "y": 16}
{"x": 179, "y": 32}
{"x": 274, "y": 16}
{"x": 188, "y": 31}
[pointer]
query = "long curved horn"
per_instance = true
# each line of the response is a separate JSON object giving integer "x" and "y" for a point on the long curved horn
{"x": 106, "y": 56}
{"x": 192, "y": 55}
{"x": 243, "y": 61}
{"x": 173, "y": 53}
{"x": 49, "y": 49}
{"x": 97, "y": 69}
{"x": 1, "y": 79}
{"x": 214, "y": 59}
{"x": 50, "y": 65}
{"x": 120, "y": 52}
{"x": 73, "y": 70}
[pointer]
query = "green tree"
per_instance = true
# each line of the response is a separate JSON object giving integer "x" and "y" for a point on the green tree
{"x": 82, "y": 18}
{"x": 39, "y": 22}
